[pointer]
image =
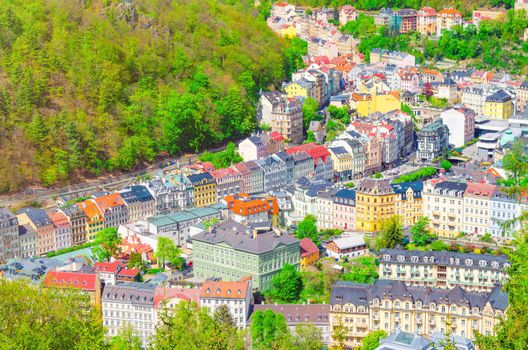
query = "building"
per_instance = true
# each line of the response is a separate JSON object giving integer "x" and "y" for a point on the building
{"x": 9, "y": 236}
{"x": 94, "y": 218}
{"x": 256, "y": 177}
{"x": 348, "y": 156}
{"x": 444, "y": 206}
{"x": 261, "y": 145}
{"x": 433, "y": 141}
{"x": 409, "y": 20}
{"x": 251, "y": 210}
{"x": 345, "y": 209}
{"x": 349, "y": 245}
{"x": 473, "y": 272}
{"x": 296, "y": 314}
{"x": 325, "y": 208}
{"x": 398, "y": 58}
{"x": 477, "y": 208}
{"x": 392, "y": 305}
{"x": 323, "y": 164}
{"x": 235, "y": 295}
{"x": 374, "y": 204}
{"x": 504, "y": 208}
{"x": 129, "y": 304}
{"x": 473, "y": 97}
{"x": 447, "y": 19}
{"x": 427, "y": 21}
{"x": 87, "y": 283}
{"x": 408, "y": 201}
{"x": 28, "y": 241}
{"x": 77, "y": 220}
{"x": 399, "y": 340}
{"x": 107, "y": 271}
{"x": 287, "y": 120}
{"x": 231, "y": 251}
{"x": 488, "y": 15}
{"x": 40, "y": 222}
{"x": 113, "y": 209}
{"x": 521, "y": 92}
{"x": 309, "y": 253}
{"x": 140, "y": 202}
{"x": 366, "y": 104}
{"x": 446, "y": 89}
{"x": 347, "y": 14}
{"x": 521, "y": 5}
{"x": 274, "y": 171}
{"x": 227, "y": 182}
{"x": 498, "y": 105}
{"x": 63, "y": 230}
{"x": 171, "y": 193}
{"x": 204, "y": 189}
{"x": 461, "y": 125}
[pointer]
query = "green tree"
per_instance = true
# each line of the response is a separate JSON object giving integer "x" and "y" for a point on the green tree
{"x": 108, "y": 242}
{"x": 136, "y": 261}
{"x": 286, "y": 286}
{"x": 307, "y": 228}
{"x": 223, "y": 317}
{"x": 339, "y": 334}
{"x": 268, "y": 330}
{"x": 361, "y": 270}
{"x": 47, "y": 318}
{"x": 126, "y": 340}
{"x": 167, "y": 251}
{"x": 392, "y": 231}
{"x": 372, "y": 340}
{"x": 438, "y": 246}
{"x": 515, "y": 162}
{"x": 446, "y": 165}
{"x": 421, "y": 235}
{"x": 309, "y": 108}
{"x": 307, "y": 337}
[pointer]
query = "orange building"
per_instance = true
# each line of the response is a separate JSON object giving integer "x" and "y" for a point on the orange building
{"x": 113, "y": 208}
{"x": 248, "y": 210}
{"x": 94, "y": 218}
{"x": 309, "y": 253}
{"x": 86, "y": 282}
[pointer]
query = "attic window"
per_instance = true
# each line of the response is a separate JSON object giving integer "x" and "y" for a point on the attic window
{"x": 239, "y": 292}
{"x": 401, "y": 258}
{"x": 469, "y": 262}
{"x": 218, "y": 291}
{"x": 229, "y": 292}
{"x": 483, "y": 263}
{"x": 386, "y": 257}
{"x": 208, "y": 290}
{"x": 414, "y": 259}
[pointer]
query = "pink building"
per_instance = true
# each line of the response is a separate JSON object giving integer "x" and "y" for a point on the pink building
{"x": 427, "y": 21}
{"x": 345, "y": 210}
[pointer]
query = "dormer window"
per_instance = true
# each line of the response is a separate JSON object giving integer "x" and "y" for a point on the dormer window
{"x": 229, "y": 292}
{"x": 483, "y": 263}
{"x": 457, "y": 261}
{"x": 495, "y": 264}
{"x": 218, "y": 291}
{"x": 425, "y": 259}
{"x": 414, "y": 259}
{"x": 431, "y": 259}
{"x": 386, "y": 257}
{"x": 401, "y": 258}
{"x": 469, "y": 262}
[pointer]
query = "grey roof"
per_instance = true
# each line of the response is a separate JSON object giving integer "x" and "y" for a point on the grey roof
{"x": 339, "y": 150}
{"x": 36, "y": 215}
{"x": 130, "y": 293}
{"x": 6, "y": 215}
{"x": 194, "y": 178}
{"x": 32, "y": 268}
{"x": 368, "y": 185}
{"x": 346, "y": 193}
{"x": 26, "y": 230}
{"x": 240, "y": 237}
{"x": 344, "y": 292}
{"x": 401, "y": 189}
{"x": 405, "y": 341}
{"x": 451, "y": 186}
{"x": 499, "y": 96}
{"x": 136, "y": 193}
{"x": 443, "y": 258}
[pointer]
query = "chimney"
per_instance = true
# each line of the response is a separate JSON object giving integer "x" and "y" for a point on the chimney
{"x": 255, "y": 233}
{"x": 210, "y": 228}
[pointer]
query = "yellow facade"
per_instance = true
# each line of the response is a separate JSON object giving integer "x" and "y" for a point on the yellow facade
{"x": 308, "y": 260}
{"x": 289, "y": 32}
{"x": 205, "y": 195}
{"x": 409, "y": 209}
{"x": 498, "y": 110}
{"x": 382, "y": 103}
{"x": 374, "y": 204}
{"x": 294, "y": 90}
{"x": 93, "y": 227}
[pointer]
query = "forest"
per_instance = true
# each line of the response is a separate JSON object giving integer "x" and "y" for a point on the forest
{"x": 90, "y": 87}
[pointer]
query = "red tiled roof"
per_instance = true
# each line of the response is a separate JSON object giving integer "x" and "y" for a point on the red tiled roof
{"x": 64, "y": 279}
{"x": 226, "y": 290}
{"x": 276, "y": 136}
{"x": 108, "y": 267}
{"x": 188, "y": 294}
{"x": 480, "y": 189}
{"x": 314, "y": 150}
{"x": 126, "y": 272}
{"x": 308, "y": 247}
{"x": 109, "y": 201}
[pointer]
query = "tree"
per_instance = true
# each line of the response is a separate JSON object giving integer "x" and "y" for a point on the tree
{"x": 309, "y": 108}
{"x": 446, "y": 165}
{"x": 392, "y": 231}
{"x": 286, "y": 286}
{"x": 268, "y": 330}
{"x": 438, "y": 246}
{"x": 372, "y": 340}
{"x": 47, "y": 318}
{"x": 362, "y": 270}
{"x": 126, "y": 340}
{"x": 307, "y": 228}
{"x": 136, "y": 261}
{"x": 421, "y": 236}
{"x": 223, "y": 317}
{"x": 108, "y": 242}
{"x": 515, "y": 162}
{"x": 167, "y": 251}
{"x": 339, "y": 334}
{"x": 307, "y": 337}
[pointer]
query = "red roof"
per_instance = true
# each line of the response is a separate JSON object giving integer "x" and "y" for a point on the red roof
{"x": 64, "y": 279}
{"x": 308, "y": 247}
{"x": 187, "y": 294}
{"x": 108, "y": 267}
{"x": 126, "y": 272}
{"x": 226, "y": 290}
{"x": 276, "y": 136}
{"x": 480, "y": 189}
{"x": 314, "y": 150}
{"x": 281, "y": 4}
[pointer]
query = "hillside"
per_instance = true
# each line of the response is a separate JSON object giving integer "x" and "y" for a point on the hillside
{"x": 92, "y": 86}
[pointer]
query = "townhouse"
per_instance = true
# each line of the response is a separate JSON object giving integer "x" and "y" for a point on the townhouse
{"x": 287, "y": 120}
{"x": 477, "y": 208}
{"x": 227, "y": 182}
{"x": 444, "y": 206}
{"x": 256, "y": 177}
{"x": 345, "y": 210}
{"x": 39, "y": 221}
{"x": 261, "y": 145}
{"x": 77, "y": 220}
{"x": 28, "y": 241}
{"x": 94, "y": 218}
{"x": 251, "y": 210}
{"x": 304, "y": 198}
{"x": 139, "y": 201}
{"x": 348, "y": 156}
{"x": 504, "y": 209}
{"x": 408, "y": 201}
{"x": 204, "y": 189}
{"x": 113, "y": 209}
{"x": 323, "y": 164}
{"x": 374, "y": 204}
{"x": 325, "y": 208}
{"x": 426, "y": 22}
{"x": 447, "y": 19}
{"x": 171, "y": 193}
{"x": 303, "y": 166}
{"x": 445, "y": 270}
{"x": 461, "y": 125}
{"x": 62, "y": 230}
{"x": 9, "y": 235}
{"x": 498, "y": 105}
{"x": 274, "y": 173}
{"x": 522, "y": 97}
{"x": 433, "y": 141}
{"x": 87, "y": 283}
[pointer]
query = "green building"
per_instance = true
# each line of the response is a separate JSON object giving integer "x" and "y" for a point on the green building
{"x": 231, "y": 251}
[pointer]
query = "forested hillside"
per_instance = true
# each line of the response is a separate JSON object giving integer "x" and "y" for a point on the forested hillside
{"x": 91, "y": 86}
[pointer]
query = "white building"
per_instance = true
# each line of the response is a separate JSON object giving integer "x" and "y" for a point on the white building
{"x": 461, "y": 125}
{"x": 349, "y": 244}
{"x": 235, "y": 295}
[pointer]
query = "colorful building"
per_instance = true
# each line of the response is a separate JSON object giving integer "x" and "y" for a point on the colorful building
{"x": 374, "y": 204}
{"x": 113, "y": 209}
{"x": 39, "y": 221}
{"x": 204, "y": 189}
{"x": 94, "y": 218}
{"x": 444, "y": 206}
{"x": 366, "y": 104}
{"x": 477, "y": 208}
{"x": 498, "y": 105}
{"x": 87, "y": 283}
{"x": 447, "y": 19}
{"x": 309, "y": 253}
{"x": 249, "y": 210}
{"x": 408, "y": 201}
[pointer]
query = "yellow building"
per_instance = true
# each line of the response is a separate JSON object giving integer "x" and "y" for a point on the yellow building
{"x": 288, "y": 31}
{"x": 408, "y": 201}
{"x": 443, "y": 204}
{"x": 300, "y": 88}
{"x": 498, "y": 106}
{"x": 374, "y": 204}
{"x": 204, "y": 186}
{"x": 309, "y": 253}
{"x": 367, "y": 103}
{"x": 94, "y": 219}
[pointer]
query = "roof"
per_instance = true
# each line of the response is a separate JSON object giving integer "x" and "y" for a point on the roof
{"x": 451, "y": 186}
{"x": 276, "y": 136}
{"x": 6, "y": 215}
{"x": 314, "y": 150}
{"x": 195, "y": 178}
{"x": 130, "y": 293}
{"x": 187, "y": 294}
{"x": 90, "y": 209}
{"x": 242, "y": 204}
{"x": 226, "y": 290}
{"x": 308, "y": 247}
{"x": 299, "y": 313}
{"x": 405, "y": 341}
{"x": 500, "y": 96}
{"x": 59, "y": 219}
{"x": 450, "y": 12}
{"x": 346, "y": 193}
{"x": 136, "y": 193}
{"x": 36, "y": 215}
{"x": 351, "y": 241}
{"x": 240, "y": 237}
{"x": 108, "y": 267}
{"x": 65, "y": 279}
{"x": 109, "y": 201}
{"x": 126, "y": 272}
{"x": 381, "y": 187}
{"x": 477, "y": 189}
{"x": 401, "y": 188}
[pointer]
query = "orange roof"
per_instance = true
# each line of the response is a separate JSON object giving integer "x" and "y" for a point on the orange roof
{"x": 226, "y": 290}
{"x": 109, "y": 201}
{"x": 479, "y": 189}
{"x": 65, "y": 279}
{"x": 90, "y": 209}
{"x": 450, "y": 12}
{"x": 126, "y": 272}
{"x": 108, "y": 267}
{"x": 276, "y": 136}
{"x": 245, "y": 205}
{"x": 187, "y": 294}
{"x": 361, "y": 97}
{"x": 396, "y": 94}
{"x": 59, "y": 219}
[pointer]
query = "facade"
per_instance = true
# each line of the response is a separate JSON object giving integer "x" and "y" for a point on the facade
{"x": 349, "y": 245}
{"x": 498, "y": 106}
{"x": 9, "y": 236}
{"x": 521, "y": 93}
{"x": 447, "y": 19}
{"x": 325, "y": 208}
{"x": 256, "y": 177}
{"x": 323, "y": 164}
{"x": 129, "y": 304}
{"x": 446, "y": 270}
{"x": 261, "y": 145}
{"x": 303, "y": 166}
{"x": 366, "y": 104}
{"x": 427, "y": 21}
{"x": 171, "y": 193}
{"x": 400, "y": 59}
{"x": 113, "y": 209}
{"x": 408, "y": 201}
{"x": 345, "y": 210}
{"x": 287, "y": 120}
{"x": 473, "y": 97}
{"x": 274, "y": 171}
{"x": 477, "y": 208}
{"x": 235, "y": 295}
{"x": 204, "y": 189}
{"x": 77, "y": 221}
{"x": 374, "y": 204}
{"x": 504, "y": 209}
{"x": 309, "y": 253}
{"x": 392, "y": 305}
{"x": 231, "y": 251}
{"x": 409, "y": 20}
{"x": 28, "y": 241}
{"x": 250, "y": 210}
{"x": 227, "y": 182}
{"x": 348, "y": 156}
{"x": 40, "y": 222}
{"x": 94, "y": 218}
{"x": 433, "y": 141}
{"x": 140, "y": 202}
{"x": 461, "y": 125}
{"x": 444, "y": 206}
{"x": 296, "y": 314}
{"x": 87, "y": 283}
{"x": 63, "y": 230}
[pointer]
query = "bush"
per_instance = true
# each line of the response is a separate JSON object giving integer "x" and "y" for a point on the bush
{"x": 438, "y": 246}
{"x": 419, "y": 174}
